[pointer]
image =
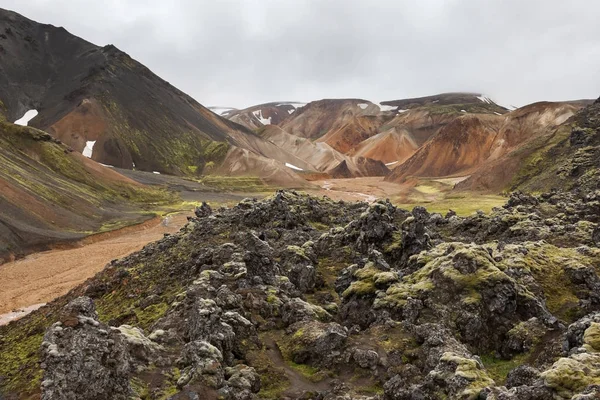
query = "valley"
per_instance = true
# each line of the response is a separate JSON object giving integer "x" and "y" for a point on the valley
{"x": 151, "y": 247}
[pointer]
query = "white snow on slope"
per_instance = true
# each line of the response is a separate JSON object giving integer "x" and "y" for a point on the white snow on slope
{"x": 363, "y": 106}
{"x": 292, "y": 166}
{"x": 264, "y": 121}
{"x": 89, "y": 148}
{"x": 156, "y": 172}
{"x": 402, "y": 110}
{"x": 485, "y": 99}
{"x": 391, "y": 163}
{"x": 24, "y": 120}
{"x": 463, "y": 111}
{"x": 383, "y": 107}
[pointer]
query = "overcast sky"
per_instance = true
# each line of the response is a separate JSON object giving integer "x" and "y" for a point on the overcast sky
{"x": 245, "y": 52}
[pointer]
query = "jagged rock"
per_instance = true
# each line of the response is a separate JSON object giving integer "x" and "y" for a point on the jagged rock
{"x": 203, "y": 211}
{"x": 414, "y": 297}
{"x": 242, "y": 383}
{"x": 83, "y": 358}
{"x": 296, "y": 310}
{"x": 201, "y": 362}
{"x": 316, "y": 343}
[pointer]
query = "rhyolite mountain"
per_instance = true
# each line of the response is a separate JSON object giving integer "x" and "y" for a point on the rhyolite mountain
{"x": 85, "y": 93}
{"x": 256, "y": 117}
{"x": 472, "y": 140}
{"x": 50, "y": 194}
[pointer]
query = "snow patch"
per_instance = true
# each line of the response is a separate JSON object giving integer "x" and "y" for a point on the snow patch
{"x": 259, "y": 116}
{"x": 89, "y": 148}
{"x": 392, "y": 163}
{"x": 485, "y": 99}
{"x": 24, "y": 120}
{"x": 497, "y": 113}
{"x": 384, "y": 108}
{"x": 463, "y": 111}
{"x": 363, "y": 106}
{"x": 291, "y": 111}
{"x": 402, "y": 111}
{"x": 106, "y": 165}
{"x": 156, "y": 172}
{"x": 292, "y": 166}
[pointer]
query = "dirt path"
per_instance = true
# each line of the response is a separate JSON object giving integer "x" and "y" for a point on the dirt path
{"x": 41, "y": 277}
{"x": 367, "y": 189}
{"x": 298, "y": 383}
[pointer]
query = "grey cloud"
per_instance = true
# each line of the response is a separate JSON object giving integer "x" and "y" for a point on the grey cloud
{"x": 239, "y": 53}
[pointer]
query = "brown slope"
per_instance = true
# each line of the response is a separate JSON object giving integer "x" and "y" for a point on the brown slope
{"x": 471, "y": 102}
{"x": 473, "y": 141}
{"x": 321, "y": 156}
{"x": 393, "y": 146}
{"x": 242, "y": 162}
{"x": 319, "y": 117}
{"x": 544, "y": 125}
{"x": 88, "y": 93}
{"x": 49, "y": 194}
{"x": 352, "y": 133}
{"x": 256, "y": 117}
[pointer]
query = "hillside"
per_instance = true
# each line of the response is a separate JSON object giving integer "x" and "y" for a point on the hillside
{"x": 101, "y": 97}
{"x": 317, "y": 118}
{"x": 323, "y": 158}
{"x": 475, "y": 141}
{"x": 50, "y": 194}
{"x": 286, "y": 297}
{"x": 256, "y": 117}
{"x": 565, "y": 158}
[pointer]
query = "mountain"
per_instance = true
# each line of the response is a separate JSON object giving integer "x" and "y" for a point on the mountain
{"x": 101, "y": 98}
{"x": 256, "y": 117}
{"x": 471, "y": 141}
{"x": 471, "y": 102}
{"x": 352, "y": 133}
{"x": 565, "y": 158}
{"x": 323, "y": 158}
{"x": 317, "y": 118}
{"x": 392, "y": 146}
{"x": 50, "y": 194}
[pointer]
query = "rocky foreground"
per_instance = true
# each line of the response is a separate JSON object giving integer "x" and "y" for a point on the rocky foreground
{"x": 305, "y": 298}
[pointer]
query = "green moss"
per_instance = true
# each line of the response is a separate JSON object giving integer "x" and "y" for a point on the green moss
{"x": 360, "y": 288}
{"x": 310, "y": 373}
{"x": 140, "y": 388}
{"x": 469, "y": 369}
{"x": 462, "y": 203}
{"x": 246, "y": 184}
{"x": 319, "y": 226}
{"x": 150, "y": 314}
{"x": 499, "y": 368}
{"x": 373, "y": 389}
{"x": 591, "y": 338}
{"x": 571, "y": 375}
{"x": 19, "y": 355}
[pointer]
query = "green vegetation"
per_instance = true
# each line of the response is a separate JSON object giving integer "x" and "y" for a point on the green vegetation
{"x": 247, "y": 184}
{"x": 462, "y": 203}
{"x": 469, "y": 369}
{"x": 499, "y": 368}
{"x": 20, "y": 347}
